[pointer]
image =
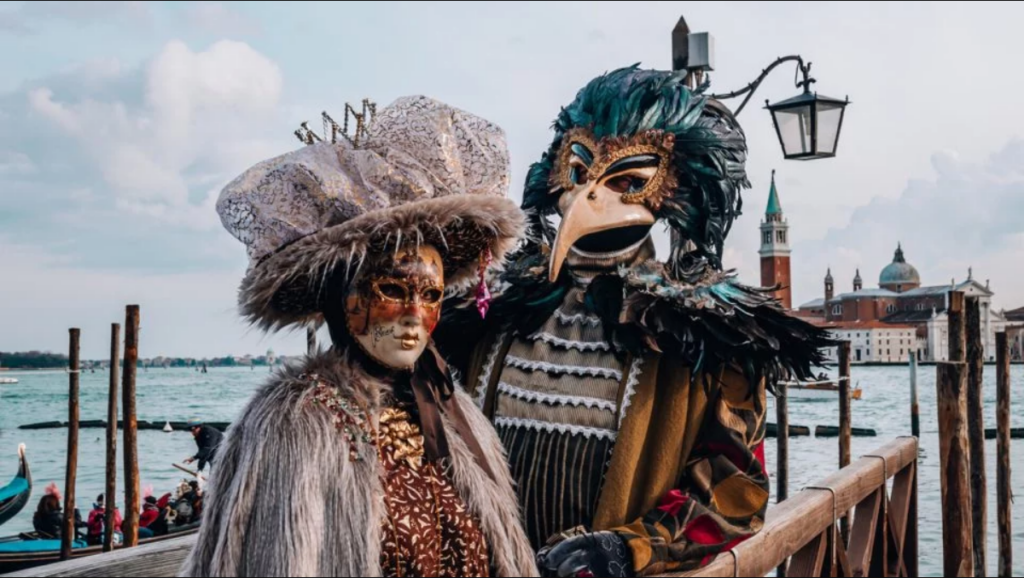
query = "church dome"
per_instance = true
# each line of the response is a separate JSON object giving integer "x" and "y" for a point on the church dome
{"x": 899, "y": 275}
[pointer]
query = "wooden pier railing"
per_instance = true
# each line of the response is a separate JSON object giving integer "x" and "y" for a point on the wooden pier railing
{"x": 883, "y": 530}
{"x": 805, "y": 529}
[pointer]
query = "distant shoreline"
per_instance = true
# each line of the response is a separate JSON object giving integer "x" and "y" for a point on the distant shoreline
{"x": 906, "y": 364}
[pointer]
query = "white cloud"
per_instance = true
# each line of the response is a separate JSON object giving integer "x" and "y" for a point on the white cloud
{"x": 968, "y": 215}
{"x": 41, "y": 101}
{"x": 203, "y": 109}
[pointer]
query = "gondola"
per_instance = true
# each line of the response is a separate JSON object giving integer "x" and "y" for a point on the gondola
{"x": 15, "y": 495}
{"x": 29, "y": 550}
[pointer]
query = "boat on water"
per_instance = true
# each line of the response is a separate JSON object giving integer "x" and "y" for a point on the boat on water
{"x": 8, "y": 381}
{"x": 821, "y": 389}
{"x": 15, "y": 495}
{"x": 29, "y": 550}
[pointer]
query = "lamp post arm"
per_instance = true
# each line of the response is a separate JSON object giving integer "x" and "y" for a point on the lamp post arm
{"x": 751, "y": 88}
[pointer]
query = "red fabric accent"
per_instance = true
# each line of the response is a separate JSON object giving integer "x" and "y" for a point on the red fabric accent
{"x": 735, "y": 543}
{"x": 163, "y": 501}
{"x": 704, "y": 531}
{"x": 673, "y": 502}
{"x": 759, "y": 456}
{"x": 149, "y": 515}
{"x": 95, "y": 523}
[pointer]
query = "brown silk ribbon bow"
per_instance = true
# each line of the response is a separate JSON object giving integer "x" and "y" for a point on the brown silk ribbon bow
{"x": 434, "y": 391}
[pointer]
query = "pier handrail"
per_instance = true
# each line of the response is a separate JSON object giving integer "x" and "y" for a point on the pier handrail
{"x": 799, "y": 528}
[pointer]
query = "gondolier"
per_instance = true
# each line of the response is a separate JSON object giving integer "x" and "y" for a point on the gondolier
{"x": 207, "y": 438}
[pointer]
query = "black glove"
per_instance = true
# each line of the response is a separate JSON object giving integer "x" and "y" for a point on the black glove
{"x": 592, "y": 554}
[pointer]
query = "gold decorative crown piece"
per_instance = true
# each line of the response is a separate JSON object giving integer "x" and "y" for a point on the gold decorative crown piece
{"x": 363, "y": 119}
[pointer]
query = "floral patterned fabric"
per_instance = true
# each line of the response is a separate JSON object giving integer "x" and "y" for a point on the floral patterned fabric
{"x": 428, "y": 530}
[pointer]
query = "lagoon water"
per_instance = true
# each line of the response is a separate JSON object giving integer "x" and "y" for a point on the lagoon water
{"x": 177, "y": 394}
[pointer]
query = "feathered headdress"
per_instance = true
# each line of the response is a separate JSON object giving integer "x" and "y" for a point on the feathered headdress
{"x": 53, "y": 490}
{"x": 708, "y": 151}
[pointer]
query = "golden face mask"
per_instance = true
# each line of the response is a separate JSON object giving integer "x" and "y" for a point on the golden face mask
{"x": 394, "y": 310}
{"x": 617, "y": 163}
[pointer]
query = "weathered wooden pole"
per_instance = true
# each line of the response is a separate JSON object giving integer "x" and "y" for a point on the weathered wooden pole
{"x": 782, "y": 468}
{"x": 954, "y": 469}
{"x": 111, "y": 490}
{"x": 1003, "y": 490}
{"x": 976, "y": 432}
{"x": 845, "y": 419}
{"x": 957, "y": 327}
{"x": 915, "y": 406}
{"x": 130, "y": 526}
{"x": 71, "y": 473}
{"x": 310, "y": 340}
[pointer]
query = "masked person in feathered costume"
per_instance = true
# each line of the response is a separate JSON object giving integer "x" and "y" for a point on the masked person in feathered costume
{"x": 630, "y": 393}
{"x": 366, "y": 459}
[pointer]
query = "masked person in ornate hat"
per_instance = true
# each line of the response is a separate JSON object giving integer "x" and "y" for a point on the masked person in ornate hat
{"x": 630, "y": 392}
{"x": 366, "y": 459}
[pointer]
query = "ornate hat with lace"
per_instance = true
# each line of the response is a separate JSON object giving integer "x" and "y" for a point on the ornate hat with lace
{"x": 422, "y": 172}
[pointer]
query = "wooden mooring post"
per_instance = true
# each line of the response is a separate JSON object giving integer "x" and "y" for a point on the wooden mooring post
{"x": 915, "y": 406}
{"x": 130, "y": 525}
{"x": 976, "y": 431}
{"x": 1003, "y": 490}
{"x": 111, "y": 485}
{"x": 782, "y": 467}
{"x": 71, "y": 473}
{"x": 845, "y": 419}
{"x": 957, "y": 327}
{"x": 954, "y": 470}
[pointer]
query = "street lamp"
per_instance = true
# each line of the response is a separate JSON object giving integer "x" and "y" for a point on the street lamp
{"x": 807, "y": 125}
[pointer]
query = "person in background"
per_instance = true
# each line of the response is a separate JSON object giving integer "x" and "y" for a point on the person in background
{"x": 48, "y": 519}
{"x": 208, "y": 438}
{"x": 149, "y": 515}
{"x": 97, "y": 522}
{"x": 160, "y": 525}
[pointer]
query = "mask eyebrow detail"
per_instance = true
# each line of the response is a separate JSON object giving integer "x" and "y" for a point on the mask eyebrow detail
{"x": 633, "y": 162}
{"x": 581, "y": 151}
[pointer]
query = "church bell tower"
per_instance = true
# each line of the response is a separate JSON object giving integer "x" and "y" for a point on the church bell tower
{"x": 775, "y": 251}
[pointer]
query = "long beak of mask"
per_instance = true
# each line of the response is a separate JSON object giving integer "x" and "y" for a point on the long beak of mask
{"x": 590, "y": 210}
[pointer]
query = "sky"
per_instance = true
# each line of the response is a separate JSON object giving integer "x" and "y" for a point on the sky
{"x": 121, "y": 121}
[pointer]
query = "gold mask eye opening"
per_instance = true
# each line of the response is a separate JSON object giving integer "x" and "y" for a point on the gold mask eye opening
{"x": 564, "y": 177}
{"x": 391, "y": 290}
{"x": 431, "y": 296}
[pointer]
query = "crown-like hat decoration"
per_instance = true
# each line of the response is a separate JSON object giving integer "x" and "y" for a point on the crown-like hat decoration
{"x": 363, "y": 120}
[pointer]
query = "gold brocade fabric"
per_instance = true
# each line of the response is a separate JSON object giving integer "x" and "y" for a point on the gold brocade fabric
{"x": 428, "y": 531}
